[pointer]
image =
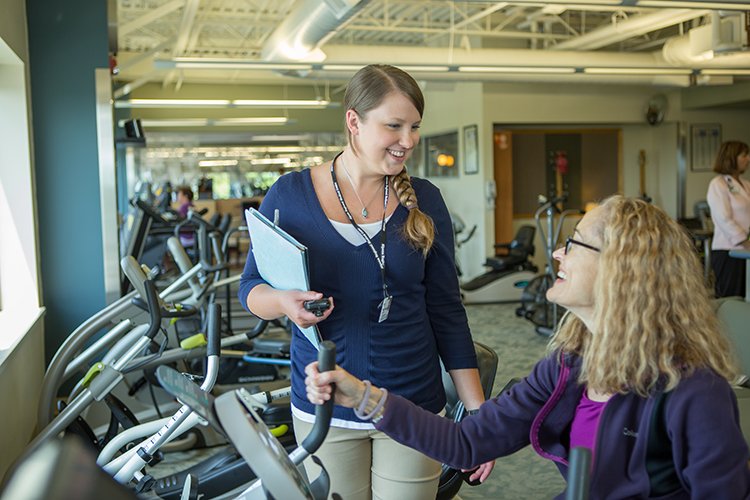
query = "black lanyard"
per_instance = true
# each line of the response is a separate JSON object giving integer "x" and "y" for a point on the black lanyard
{"x": 379, "y": 258}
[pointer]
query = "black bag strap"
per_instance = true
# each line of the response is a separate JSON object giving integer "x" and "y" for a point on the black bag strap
{"x": 660, "y": 467}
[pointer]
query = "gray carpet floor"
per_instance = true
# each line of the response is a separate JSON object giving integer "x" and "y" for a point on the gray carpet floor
{"x": 523, "y": 475}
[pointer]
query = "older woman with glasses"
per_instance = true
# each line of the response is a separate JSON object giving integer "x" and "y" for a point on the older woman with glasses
{"x": 637, "y": 372}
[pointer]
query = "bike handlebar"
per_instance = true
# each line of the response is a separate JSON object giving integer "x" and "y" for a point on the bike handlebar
{"x": 324, "y": 412}
{"x": 213, "y": 329}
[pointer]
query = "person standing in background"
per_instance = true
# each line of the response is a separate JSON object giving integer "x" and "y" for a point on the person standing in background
{"x": 729, "y": 200}
{"x": 380, "y": 244}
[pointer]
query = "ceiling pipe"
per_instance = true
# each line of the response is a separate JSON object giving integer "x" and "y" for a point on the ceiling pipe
{"x": 354, "y": 55}
{"x": 720, "y": 44}
{"x": 308, "y": 25}
{"x": 631, "y": 27}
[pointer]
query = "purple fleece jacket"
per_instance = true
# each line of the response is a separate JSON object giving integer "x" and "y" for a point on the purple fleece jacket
{"x": 702, "y": 420}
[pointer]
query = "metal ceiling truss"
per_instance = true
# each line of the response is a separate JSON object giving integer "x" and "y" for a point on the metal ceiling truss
{"x": 241, "y": 30}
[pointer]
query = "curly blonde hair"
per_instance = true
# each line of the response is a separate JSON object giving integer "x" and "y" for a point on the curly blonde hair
{"x": 653, "y": 315}
{"x": 366, "y": 91}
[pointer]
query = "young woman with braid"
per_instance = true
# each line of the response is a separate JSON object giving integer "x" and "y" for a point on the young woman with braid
{"x": 381, "y": 249}
{"x": 638, "y": 372}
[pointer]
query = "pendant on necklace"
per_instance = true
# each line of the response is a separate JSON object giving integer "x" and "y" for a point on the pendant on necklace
{"x": 364, "y": 212}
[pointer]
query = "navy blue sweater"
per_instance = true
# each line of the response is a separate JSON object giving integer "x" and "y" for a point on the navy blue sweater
{"x": 427, "y": 321}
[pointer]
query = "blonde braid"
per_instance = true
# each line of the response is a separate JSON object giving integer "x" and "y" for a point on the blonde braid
{"x": 419, "y": 229}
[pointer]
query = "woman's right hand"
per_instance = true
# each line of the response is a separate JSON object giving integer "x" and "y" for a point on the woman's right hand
{"x": 349, "y": 389}
{"x": 292, "y": 303}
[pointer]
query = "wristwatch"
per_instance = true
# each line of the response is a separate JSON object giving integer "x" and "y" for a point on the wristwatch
{"x": 472, "y": 412}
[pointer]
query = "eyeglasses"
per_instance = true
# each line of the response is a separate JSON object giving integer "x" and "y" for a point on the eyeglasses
{"x": 570, "y": 242}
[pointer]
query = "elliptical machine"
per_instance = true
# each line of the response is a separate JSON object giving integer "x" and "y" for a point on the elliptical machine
{"x": 534, "y": 304}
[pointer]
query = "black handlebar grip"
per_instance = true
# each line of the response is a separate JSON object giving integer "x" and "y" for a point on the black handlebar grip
{"x": 195, "y": 217}
{"x": 154, "y": 308}
{"x": 578, "y": 474}
{"x": 259, "y": 328}
{"x": 324, "y": 412}
{"x": 213, "y": 329}
{"x": 327, "y": 356}
{"x": 149, "y": 210}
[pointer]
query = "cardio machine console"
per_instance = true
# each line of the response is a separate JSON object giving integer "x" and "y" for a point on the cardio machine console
{"x": 260, "y": 449}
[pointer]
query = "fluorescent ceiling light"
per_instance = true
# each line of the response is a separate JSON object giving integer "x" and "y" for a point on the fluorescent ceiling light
{"x": 719, "y": 72}
{"x": 223, "y": 103}
{"x": 209, "y": 122}
{"x": 248, "y": 150}
{"x": 425, "y": 69}
{"x": 217, "y": 163}
{"x": 210, "y": 63}
{"x": 514, "y": 69}
{"x": 270, "y": 161}
{"x": 181, "y": 122}
{"x": 171, "y": 103}
{"x": 259, "y": 120}
{"x": 638, "y": 71}
{"x": 282, "y": 138}
{"x": 342, "y": 67}
{"x": 281, "y": 103}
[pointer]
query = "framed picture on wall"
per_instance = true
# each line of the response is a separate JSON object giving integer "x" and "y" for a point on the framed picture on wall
{"x": 441, "y": 156}
{"x": 471, "y": 150}
{"x": 705, "y": 139}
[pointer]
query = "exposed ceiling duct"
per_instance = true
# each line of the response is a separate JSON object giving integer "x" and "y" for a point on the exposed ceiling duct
{"x": 309, "y": 24}
{"x": 621, "y": 30}
{"x": 292, "y": 50}
{"x": 721, "y": 44}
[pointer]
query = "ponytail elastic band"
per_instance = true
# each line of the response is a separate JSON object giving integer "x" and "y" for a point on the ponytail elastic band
{"x": 412, "y": 206}
{"x": 360, "y": 410}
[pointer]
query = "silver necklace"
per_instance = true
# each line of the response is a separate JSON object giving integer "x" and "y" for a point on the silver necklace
{"x": 364, "y": 212}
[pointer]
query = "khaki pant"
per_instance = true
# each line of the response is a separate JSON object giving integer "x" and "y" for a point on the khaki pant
{"x": 367, "y": 464}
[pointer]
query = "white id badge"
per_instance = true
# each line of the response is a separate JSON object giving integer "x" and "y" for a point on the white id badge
{"x": 385, "y": 308}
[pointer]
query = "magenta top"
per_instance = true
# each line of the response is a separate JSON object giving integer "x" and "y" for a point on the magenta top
{"x": 585, "y": 423}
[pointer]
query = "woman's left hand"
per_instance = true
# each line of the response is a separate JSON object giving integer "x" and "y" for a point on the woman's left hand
{"x": 482, "y": 472}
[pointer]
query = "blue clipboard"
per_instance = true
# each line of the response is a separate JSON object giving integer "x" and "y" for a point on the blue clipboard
{"x": 281, "y": 260}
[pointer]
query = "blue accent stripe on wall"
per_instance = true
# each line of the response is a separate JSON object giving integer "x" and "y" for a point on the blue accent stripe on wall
{"x": 67, "y": 41}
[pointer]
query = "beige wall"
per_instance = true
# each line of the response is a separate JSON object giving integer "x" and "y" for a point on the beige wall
{"x": 20, "y": 384}
{"x": 22, "y": 360}
{"x": 451, "y": 106}
{"x": 13, "y": 26}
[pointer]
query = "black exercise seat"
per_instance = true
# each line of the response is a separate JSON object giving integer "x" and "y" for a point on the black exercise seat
{"x": 511, "y": 255}
{"x": 451, "y": 479}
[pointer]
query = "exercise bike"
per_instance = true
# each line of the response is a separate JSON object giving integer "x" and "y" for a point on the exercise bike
{"x": 72, "y": 472}
{"x": 534, "y": 304}
{"x": 510, "y": 270}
